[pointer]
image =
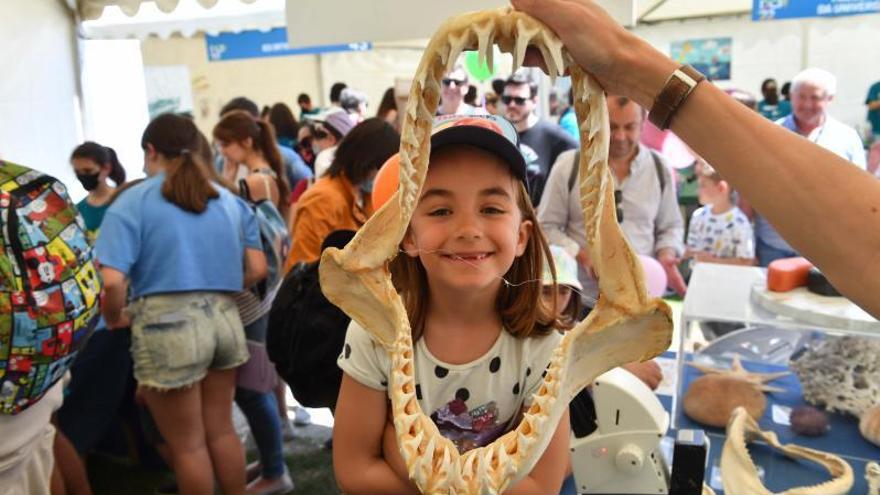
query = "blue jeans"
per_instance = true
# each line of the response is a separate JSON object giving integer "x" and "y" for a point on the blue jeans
{"x": 768, "y": 254}
{"x": 261, "y": 411}
{"x": 100, "y": 376}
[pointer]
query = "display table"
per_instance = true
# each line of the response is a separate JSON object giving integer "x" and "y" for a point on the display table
{"x": 723, "y": 293}
{"x": 782, "y": 473}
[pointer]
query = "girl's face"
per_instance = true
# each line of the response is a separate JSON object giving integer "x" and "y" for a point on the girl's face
{"x": 89, "y": 173}
{"x": 467, "y": 228}
{"x": 87, "y": 166}
{"x": 563, "y": 296}
{"x": 234, "y": 151}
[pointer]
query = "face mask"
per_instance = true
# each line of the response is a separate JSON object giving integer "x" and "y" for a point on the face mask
{"x": 88, "y": 181}
{"x": 367, "y": 187}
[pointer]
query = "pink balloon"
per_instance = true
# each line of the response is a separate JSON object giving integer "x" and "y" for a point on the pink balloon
{"x": 655, "y": 276}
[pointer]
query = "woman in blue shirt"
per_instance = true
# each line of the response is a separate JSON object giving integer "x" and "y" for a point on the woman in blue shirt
{"x": 183, "y": 246}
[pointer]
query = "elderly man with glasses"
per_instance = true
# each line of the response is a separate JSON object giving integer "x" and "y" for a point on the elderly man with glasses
{"x": 647, "y": 208}
{"x": 540, "y": 141}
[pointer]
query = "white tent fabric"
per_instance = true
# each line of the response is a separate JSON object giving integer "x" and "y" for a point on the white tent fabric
{"x": 651, "y": 11}
{"x": 188, "y": 18}
{"x": 307, "y": 20}
{"x": 93, "y": 9}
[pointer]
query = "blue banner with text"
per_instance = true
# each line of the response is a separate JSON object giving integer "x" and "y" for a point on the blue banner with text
{"x": 273, "y": 43}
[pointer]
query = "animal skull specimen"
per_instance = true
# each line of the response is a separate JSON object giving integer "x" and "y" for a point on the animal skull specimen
{"x": 626, "y": 325}
{"x": 739, "y": 474}
{"x": 711, "y": 398}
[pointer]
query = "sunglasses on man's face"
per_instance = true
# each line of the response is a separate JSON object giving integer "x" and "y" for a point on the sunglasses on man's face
{"x": 519, "y": 100}
{"x": 448, "y": 81}
{"x": 618, "y": 199}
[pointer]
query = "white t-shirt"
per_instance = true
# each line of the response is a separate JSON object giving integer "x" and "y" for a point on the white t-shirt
{"x": 725, "y": 235}
{"x": 26, "y": 427}
{"x": 472, "y": 404}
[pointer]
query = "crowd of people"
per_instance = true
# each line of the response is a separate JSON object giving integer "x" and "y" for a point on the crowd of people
{"x": 193, "y": 256}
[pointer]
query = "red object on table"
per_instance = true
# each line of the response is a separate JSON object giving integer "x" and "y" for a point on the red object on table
{"x": 788, "y": 274}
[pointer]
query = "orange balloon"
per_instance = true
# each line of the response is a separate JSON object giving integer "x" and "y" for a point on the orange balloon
{"x": 386, "y": 182}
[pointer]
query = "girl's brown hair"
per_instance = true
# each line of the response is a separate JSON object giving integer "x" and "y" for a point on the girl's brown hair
{"x": 239, "y": 125}
{"x": 177, "y": 139}
{"x": 519, "y": 302}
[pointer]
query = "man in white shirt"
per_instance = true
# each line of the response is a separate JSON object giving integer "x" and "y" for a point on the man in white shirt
{"x": 812, "y": 92}
{"x": 647, "y": 204}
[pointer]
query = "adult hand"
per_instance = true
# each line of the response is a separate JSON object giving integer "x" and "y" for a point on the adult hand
{"x": 648, "y": 372}
{"x": 670, "y": 261}
{"x": 124, "y": 320}
{"x": 614, "y": 56}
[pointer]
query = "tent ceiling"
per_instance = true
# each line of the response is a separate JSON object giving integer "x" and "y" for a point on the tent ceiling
{"x": 188, "y": 18}
{"x": 651, "y": 11}
{"x": 143, "y": 18}
{"x": 93, "y": 9}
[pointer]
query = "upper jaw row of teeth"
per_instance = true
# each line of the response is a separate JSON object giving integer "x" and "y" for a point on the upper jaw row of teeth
{"x": 511, "y": 37}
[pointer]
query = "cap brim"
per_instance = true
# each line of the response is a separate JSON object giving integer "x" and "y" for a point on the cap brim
{"x": 485, "y": 139}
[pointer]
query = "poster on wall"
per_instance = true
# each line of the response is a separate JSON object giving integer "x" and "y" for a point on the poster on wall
{"x": 710, "y": 56}
{"x": 769, "y": 10}
{"x": 168, "y": 89}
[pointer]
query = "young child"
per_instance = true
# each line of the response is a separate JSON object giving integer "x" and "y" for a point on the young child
{"x": 568, "y": 306}
{"x": 470, "y": 278}
{"x": 719, "y": 232}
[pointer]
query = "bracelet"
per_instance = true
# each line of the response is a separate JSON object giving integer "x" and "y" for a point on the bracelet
{"x": 678, "y": 87}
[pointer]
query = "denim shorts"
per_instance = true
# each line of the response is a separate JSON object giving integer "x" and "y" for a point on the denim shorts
{"x": 177, "y": 338}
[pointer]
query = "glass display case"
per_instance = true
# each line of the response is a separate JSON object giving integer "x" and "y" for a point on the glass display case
{"x": 728, "y": 311}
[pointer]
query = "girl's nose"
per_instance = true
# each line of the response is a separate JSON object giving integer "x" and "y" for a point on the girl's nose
{"x": 468, "y": 227}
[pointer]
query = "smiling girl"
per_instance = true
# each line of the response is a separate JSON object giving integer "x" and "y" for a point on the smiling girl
{"x": 470, "y": 279}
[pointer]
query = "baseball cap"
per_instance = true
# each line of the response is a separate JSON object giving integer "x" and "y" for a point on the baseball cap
{"x": 338, "y": 121}
{"x": 566, "y": 268}
{"x": 488, "y": 132}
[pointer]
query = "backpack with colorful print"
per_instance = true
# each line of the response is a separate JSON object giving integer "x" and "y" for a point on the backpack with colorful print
{"x": 49, "y": 285}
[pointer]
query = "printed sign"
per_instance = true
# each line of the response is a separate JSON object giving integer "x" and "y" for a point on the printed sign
{"x": 768, "y": 10}
{"x": 273, "y": 43}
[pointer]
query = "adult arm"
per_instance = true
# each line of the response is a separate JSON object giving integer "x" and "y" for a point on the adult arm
{"x": 115, "y": 289}
{"x": 358, "y": 430}
{"x": 823, "y": 206}
{"x": 255, "y": 267}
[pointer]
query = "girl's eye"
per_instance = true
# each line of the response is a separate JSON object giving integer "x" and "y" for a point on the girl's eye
{"x": 492, "y": 210}
{"x": 439, "y": 212}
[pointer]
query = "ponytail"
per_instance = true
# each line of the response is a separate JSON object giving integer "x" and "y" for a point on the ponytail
{"x": 238, "y": 126}
{"x": 187, "y": 183}
{"x": 267, "y": 145}
{"x": 117, "y": 173}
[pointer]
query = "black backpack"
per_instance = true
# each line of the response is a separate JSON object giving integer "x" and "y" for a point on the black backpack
{"x": 305, "y": 336}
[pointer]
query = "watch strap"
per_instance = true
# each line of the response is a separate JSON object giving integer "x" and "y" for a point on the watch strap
{"x": 676, "y": 90}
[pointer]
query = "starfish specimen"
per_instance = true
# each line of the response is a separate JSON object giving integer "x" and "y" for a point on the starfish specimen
{"x": 711, "y": 398}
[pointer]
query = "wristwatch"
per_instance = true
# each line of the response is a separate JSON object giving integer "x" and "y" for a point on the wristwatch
{"x": 676, "y": 90}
